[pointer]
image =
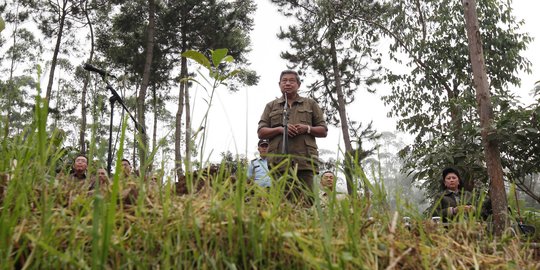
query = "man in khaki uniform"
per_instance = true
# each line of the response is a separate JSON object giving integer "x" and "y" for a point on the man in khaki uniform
{"x": 306, "y": 121}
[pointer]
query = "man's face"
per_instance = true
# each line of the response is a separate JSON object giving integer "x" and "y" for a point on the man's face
{"x": 80, "y": 164}
{"x": 289, "y": 84}
{"x": 126, "y": 167}
{"x": 263, "y": 149}
{"x": 327, "y": 180}
{"x": 102, "y": 175}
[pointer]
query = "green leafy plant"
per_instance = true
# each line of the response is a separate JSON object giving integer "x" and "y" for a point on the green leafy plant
{"x": 217, "y": 75}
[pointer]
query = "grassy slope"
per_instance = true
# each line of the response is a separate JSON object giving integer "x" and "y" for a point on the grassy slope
{"x": 51, "y": 223}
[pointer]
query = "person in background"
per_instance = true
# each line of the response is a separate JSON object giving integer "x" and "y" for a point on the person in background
{"x": 129, "y": 185}
{"x": 126, "y": 168}
{"x": 305, "y": 122}
{"x": 453, "y": 200}
{"x": 258, "y": 168}
{"x": 103, "y": 177}
{"x": 103, "y": 180}
{"x": 80, "y": 164}
{"x": 77, "y": 182}
{"x": 156, "y": 180}
{"x": 157, "y": 176}
{"x": 328, "y": 187}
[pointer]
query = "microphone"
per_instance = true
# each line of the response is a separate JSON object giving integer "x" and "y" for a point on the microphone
{"x": 98, "y": 70}
{"x": 285, "y": 142}
{"x": 286, "y": 105}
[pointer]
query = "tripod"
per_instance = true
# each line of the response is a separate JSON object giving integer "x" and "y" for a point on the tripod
{"x": 116, "y": 98}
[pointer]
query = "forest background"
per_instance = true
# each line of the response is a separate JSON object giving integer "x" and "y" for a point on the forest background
{"x": 58, "y": 37}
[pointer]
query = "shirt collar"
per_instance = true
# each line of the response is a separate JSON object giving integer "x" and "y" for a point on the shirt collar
{"x": 299, "y": 99}
{"x": 82, "y": 177}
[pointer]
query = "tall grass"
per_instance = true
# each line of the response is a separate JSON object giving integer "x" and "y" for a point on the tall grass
{"x": 49, "y": 223}
{"x": 229, "y": 224}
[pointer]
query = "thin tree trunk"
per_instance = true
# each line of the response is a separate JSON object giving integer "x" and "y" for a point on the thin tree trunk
{"x": 11, "y": 88}
{"x": 188, "y": 128}
{"x": 135, "y": 145}
{"x": 59, "y": 105}
{"x": 349, "y": 152}
{"x": 154, "y": 134}
{"x": 13, "y": 59}
{"x": 82, "y": 131}
{"x": 491, "y": 145}
{"x": 54, "y": 61}
{"x": 11, "y": 85}
{"x": 142, "y": 91}
{"x": 527, "y": 190}
{"x": 184, "y": 74}
{"x": 178, "y": 131}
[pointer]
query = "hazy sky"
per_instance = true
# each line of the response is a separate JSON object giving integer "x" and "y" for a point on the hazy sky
{"x": 235, "y": 115}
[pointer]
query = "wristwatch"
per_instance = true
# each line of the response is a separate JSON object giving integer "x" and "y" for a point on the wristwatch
{"x": 308, "y": 129}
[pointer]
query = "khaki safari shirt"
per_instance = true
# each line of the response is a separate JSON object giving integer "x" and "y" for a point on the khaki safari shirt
{"x": 303, "y": 147}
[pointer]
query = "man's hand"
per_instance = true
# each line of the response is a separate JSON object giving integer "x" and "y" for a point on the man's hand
{"x": 465, "y": 208}
{"x": 292, "y": 132}
{"x": 297, "y": 129}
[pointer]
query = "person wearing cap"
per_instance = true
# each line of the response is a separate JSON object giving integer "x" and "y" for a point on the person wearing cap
{"x": 305, "y": 122}
{"x": 258, "y": 168}
{"x": 453, "y": 200}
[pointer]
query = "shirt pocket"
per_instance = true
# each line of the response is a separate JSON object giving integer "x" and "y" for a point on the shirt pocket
{"x": 276, "y": 118}
{"x": 305, "y": 116}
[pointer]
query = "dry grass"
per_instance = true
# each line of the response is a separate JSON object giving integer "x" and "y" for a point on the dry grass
{"x": 49, "y": 224}
{"x": 220, "y": 228}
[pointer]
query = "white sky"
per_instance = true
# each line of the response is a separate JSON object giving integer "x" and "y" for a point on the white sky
{"x": 234, "y": 116}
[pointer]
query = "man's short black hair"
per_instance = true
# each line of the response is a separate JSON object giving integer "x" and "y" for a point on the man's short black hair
{"x": 80, "y": 155}
{"x": 325, "y": 172}
{"x": 290, "y": 71}
{"x": 126, "y": 160}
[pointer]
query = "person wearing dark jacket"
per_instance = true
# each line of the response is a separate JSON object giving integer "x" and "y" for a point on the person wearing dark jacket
{"x": 454, "y": 200}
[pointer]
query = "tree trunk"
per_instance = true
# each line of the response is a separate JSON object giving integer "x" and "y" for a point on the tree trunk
{"x": 491, "y": 148}
{"x": 11, "y": 84}
{"x": 349, "y": 152}
{"x": 178, "y": 131}
{"x": 188, "y": 128}
{"x": 82, "y": 131}
{"x": 143, "y": 146}
{"x": 134, "y": 148}
{"x": 11, "y": 88}
{"x": 56, "y": 49}
{"x": 154, "y": 133}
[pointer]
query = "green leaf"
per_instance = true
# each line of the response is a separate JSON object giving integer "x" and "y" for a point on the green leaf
{"x": 228, "y": 59}
{"x": 219, "y": 55}
{"x": 231, "y": 74}
{"x": 2, "y": 25}
{"x": 198, "y": 57}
